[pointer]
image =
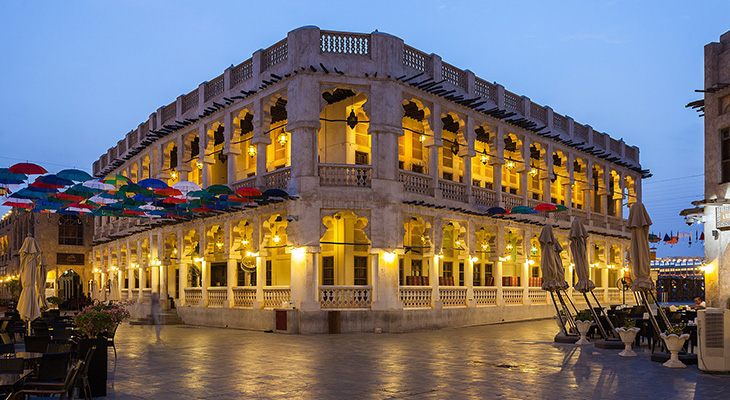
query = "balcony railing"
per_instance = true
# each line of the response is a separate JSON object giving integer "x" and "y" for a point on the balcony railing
{"x": 416, "y": 183}
{"x": 512, "y": 296}
{"x": 146, "y": 295}
{"x": 511, "y": 200}
{"x": 248, "y": 182}
{"x": 453, "y": 191}
{"x": 277, "y": 179}
{"x": 453, "y": 296}
{"x": 193, "y": 296}
{"x": 537, "y": 296}
{"x": 244, "y": 297}
{"x": 217, "y": 296}
{"x": 345, "y": 296}
{"x": 276, "y": 296}
{"x": 345, "y": 175}
{"x": 580, "y": 214}
{"x": 485, "y": 296}
{"x": 416, "y": 296}
{"x": 484, "y": 197}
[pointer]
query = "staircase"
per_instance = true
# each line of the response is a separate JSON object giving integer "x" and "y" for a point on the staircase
{"x": 168, "y": 317}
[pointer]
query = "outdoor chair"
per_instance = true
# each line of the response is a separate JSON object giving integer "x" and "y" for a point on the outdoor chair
{"x": 53, "y": 367}
{"x": 58, "y": 347}
{"x": 6, "y": 348}
{"x": 61, "y": 334}
{"x": 110, "y": 339}
{"x": 8, "y": 365}
{"x": 36, "y": 344}
{"x": 62, "y": 390}
{"x": 83, "y": 383}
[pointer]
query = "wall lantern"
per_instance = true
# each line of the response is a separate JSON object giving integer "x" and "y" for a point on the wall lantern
{"x": 282, "y": 137}
{"x": 199, "y": 165}
{"x": 422, "y": 138}
{"x": 485, "y": 159}
{"x": 352, "y": 119}
{"x": 251, "y": 150}
{"x": 173, "y": 174}
{"x": 509, "y": 165}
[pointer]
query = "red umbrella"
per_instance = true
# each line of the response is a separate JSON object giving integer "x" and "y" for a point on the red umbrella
{"x": 202, "y": 209}
{"x": 82, "y": 205}
{"x": 68, "y": 197}
{"x": 27, "y": 168}
{"x": 18, "y": 205}
{"x": 174, "y": 200}
{"x": 248, "y": 191}
{"x": 168, "y": 192}
{"x": 40, "y": 185}
{"x": 545, "y": 207}
{"x": 133, "y": 212}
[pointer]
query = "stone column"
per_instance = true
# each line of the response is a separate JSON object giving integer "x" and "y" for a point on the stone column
{"x": 304, "y": 263}
{"x": 232, "y": 275}
{"x": 433, "y": 276}
{"x": 386, "y": 295}
{"x": 260, "y": 281}
{"x": 231, "y": 151}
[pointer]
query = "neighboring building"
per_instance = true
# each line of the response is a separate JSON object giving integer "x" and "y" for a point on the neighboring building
{"x": 715, "y": 209}
{"x": 394, "y": 156}
{"x": 65, "y": 241}
{"x": 679, "y": 278}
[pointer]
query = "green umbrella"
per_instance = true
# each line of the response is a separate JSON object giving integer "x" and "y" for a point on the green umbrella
{"x": 218, "y": 189}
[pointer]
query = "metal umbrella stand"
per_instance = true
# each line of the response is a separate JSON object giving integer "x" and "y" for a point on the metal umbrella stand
{"x": 553, "y": 275}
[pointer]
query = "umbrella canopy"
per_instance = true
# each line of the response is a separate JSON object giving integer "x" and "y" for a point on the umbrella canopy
{"x": 218, "y": 189}
{"x": 95, "y": 184}
{"x": 545, "y": 207}
{"x": 639, "y": 223}
{"x": 248, "y": 191}
{"x": 7, "y": 174}
{"x": 550, "y": 262}
{"x": 27, "y": 168}
{"x": 276, "y": 193}
{"x": 74, "y": 175}
{"x": 152, "y": 183}
{"x": 41, "y": 281}
{"x": 578, "y": 241}
{"x": 496, "y": 211}
{"x": 521, "y": 210}
{"x": 116, "y": 180}
{"x": 29, "y": 261}
{"x": 186, "y": 186}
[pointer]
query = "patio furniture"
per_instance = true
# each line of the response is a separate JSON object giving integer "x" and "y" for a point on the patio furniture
{"x": 58, "y": 347}
{"x": 83, "y": 384}
{"x": 62, "y": 390}
{"x": 11, "y": 365}
{"x": 110, "y": 340}
{"x": 36, "y": 344}
{"x": 6, "y": 348}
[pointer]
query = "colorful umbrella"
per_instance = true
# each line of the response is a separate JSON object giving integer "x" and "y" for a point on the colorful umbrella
{"x": 545, "y": 207}
{"x": 248, "y": 191}
{"x": 68, "y": 197}
{"x": 4, "y": 191}
{"x": 133, "y": 189}
{"x": 27, "y": 168}
{"x": 174, "y": 200}
{"x": 186, "y": 186}
{"x": 97, "y": 184}
{"x": 168, "y": 192}
{"x": 74, "y": 175}
{"x": 16, "y": 204}
{"x": 496, "y": 211}
{"x": 27, "y": 193}
{"x": 55, "y": 180}
{"x": 81, "y": 190}
{"x": 151, "y": 183}
{"x": 521, "y": 210}
{"x": 218, "y": 189}
{"x": 116, "y": 180}
{"x": 276, "y": 193}
{"x": 7, "y": 174}
{"x": 199, "y": 194}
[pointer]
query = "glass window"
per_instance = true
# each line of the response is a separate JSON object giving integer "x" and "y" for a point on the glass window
{"x": 328, "y": 270}
{"x": 361, "y": 270}
{"x": 70, "y": 231}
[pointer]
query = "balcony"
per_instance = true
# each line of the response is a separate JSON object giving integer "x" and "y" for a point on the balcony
{"x": 416, "y": 183}
{"x": 193, "y": 296}
{"x": 484, "y": 197}
{"x": 217, "y": 296}
{"x": 345, "y": 175}
{"x": 276, "y": 296}
{"x": 277, "y": 179}
{"x": 453, "y": 191}
{"x": 453, "y": 296}
{"x": 244, "y": 297}
{"x": 344, "y": 297}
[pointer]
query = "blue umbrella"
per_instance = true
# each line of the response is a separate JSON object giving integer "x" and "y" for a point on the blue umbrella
{"x": 151, "y": 183}
{"x": 276, "y": 193}
{"x": 55, "y": 180}
{"x": 74, "y": 175}
{"x": 496, "y": 210}
{"x": 26, "y": 193}
{"x": 6, "y": 174}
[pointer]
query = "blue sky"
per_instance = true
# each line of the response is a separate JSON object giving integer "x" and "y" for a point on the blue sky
{"x": 76, "y": 76}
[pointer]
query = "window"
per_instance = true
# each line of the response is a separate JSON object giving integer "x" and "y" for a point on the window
{"x": 477, "y": 281}
{"x": 401, "y": 273}
{"x": 361, "y": 270}
{"x": 241, "y": 277}
{"x": 218, "y": 274}
{"x": 416, "y": 147}
{"x": 461, "y": 274}
{"x": 361, "y": 158}
{"x": 268, "y": 272}
{"x": 328, "y": 270}
{"x": 448, "y": 269}
{"x": 416, "y": 266}
{"x": 725, "y": 161}
{"x": 70, "y": 231}
{"x": 252, "y": 278}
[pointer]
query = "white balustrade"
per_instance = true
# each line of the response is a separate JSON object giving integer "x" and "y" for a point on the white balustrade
{"x": 537, "y": 296}
{"x": 511, "y": 200}
{"x": 275, "y": 296}
{"x": 416, "y": 296}
{"x": 345, "y": 175}
{"x": 278, "y": 179}
{"x": 453, "y": 190}
{"x": 484, "y": 197}
{"x": 416, "y": 183}
{"x": 217, "y": 296}
{"x": 485, "y": 296}
{"x": 512, "y": 296}
{"x": 193, "y": 296}
{"x": 345, "y": 296}
{"x": 244, "y": 297}
{"x": 453, "y": 296}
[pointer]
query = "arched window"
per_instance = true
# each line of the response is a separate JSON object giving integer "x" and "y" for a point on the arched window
{"x": 70, "y": 231}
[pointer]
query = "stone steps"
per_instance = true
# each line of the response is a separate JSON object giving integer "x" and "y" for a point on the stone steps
{"x": 166, "y": 318}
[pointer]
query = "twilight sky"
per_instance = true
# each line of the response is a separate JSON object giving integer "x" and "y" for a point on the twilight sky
{"x": 76, "y": 76}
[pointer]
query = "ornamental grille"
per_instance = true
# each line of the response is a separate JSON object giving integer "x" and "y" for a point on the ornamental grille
{"x": 214, "y": 88}
{"x": 416, "y": 59}
{"x": 274, "y": 54}
{"x": 242, "y": 72}
{"x": 344, "y": 43}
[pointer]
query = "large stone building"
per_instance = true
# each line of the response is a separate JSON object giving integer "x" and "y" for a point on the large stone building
{"x": 65, "y": 241}
{"x": 715, "y": 209}
{"x": 394, "y": 157}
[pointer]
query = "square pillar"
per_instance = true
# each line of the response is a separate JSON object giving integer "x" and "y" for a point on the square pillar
{"x": 304, "y": 280}
{"x": 386, "y": 289}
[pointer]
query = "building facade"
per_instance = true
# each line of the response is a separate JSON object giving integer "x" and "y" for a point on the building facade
{"x": 716, "y": 207}
{"x": 394, "y": 157}
{"x": 66, "y": 244}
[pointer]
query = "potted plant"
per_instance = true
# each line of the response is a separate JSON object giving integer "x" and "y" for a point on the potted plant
{"x": 56, "y": 301}
{"x": 674, "y": 338}
{"x": 95, "y": 322}
{"x": 628, "y": 332}
{"x": 583, "y": 321}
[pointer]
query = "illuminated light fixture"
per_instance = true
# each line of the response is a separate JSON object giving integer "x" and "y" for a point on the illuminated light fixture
{"x": 509, "y": 246}
{"x": 389, "y": 256}
{"x": 457, "y": 243}
{"x": 509, "y": 165}
{"x": 251, "y": 150}
{"x": 485, "y": 159}
{"x": 96, "y": 270}
{"x": 282, "y": 137}
{"x": 485, "y": 245}
{"x": 422, "y": 138}
{"x": 219, "y": 245}
{"x": 174, "y": 252}
{"x": 531, "y": 262}
{"x": 533, "y": 172}
{"x": 173, "y": 174}
{"x": 533, "y": 250}
{"x": 244, "y": 241}
{"x": 198, "y": 259}
{"x": 199, "y": 165}
{"x": 505, "y": 258}
{"x": 423, "y": 238}
{"x": 352, "y": 119}
{"x": 474, "y": 259}
{"x": 276, "y": 239}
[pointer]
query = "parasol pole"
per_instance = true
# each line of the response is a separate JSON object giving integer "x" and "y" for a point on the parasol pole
{"x": 557, "y": 310}
{"x": 603, "y": 312}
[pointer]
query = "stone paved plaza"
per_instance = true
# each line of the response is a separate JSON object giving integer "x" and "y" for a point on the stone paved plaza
{"x": 509, "y": 361}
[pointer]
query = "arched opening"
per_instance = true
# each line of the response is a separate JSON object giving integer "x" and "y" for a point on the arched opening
{"x": 345, "y": 250}
{"x": 629, "y": 194}
{"x": 242, "y": 140}
{"x": 598, "y": 262}
{"x": 560, "y": 182}
{"x": 146, "y": 168}
{"x": 598, "y": 189}
{"x": 450, "y": 163}
{"x": 243, "y": 244}
{"x": 615, "y": 197}
{"x": 513, "y": 165}
{"x": 170, "y": 162}
{"x": 581, "y": 183}
{"x": 215, "y": 144}
{"x": 513, "y": 254}
{"x": 277, "y": 264}
{"x": 482, "y": 171}
{"x": 534, "y": 253}
{"x": 538, "y": 170}
{"x": 453, "y": 249}
{"x": 486, "y": 248}
{"x": 192, "y": 158}
{"x": 278, "y": 153}
{"x": 414, "y": 265}
{"x": 70, "y": 289}
{"x": 343, "y": 137}
{"x": 413, "y": 155}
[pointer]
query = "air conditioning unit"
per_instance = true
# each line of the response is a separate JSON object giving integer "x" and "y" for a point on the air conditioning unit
{"x": 713, "y": 332}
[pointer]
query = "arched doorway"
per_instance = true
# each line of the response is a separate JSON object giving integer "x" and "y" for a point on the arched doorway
{"x": 69, "y": 289}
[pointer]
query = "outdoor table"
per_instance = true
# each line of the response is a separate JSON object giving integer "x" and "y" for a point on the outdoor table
{"x": 9, "y": 380}
{"x": 31, "y": 359}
